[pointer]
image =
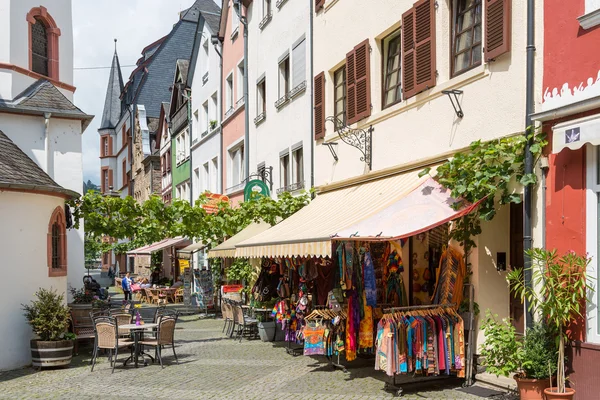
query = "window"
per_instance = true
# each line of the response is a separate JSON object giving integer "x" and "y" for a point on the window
{"x": 236, "y": 163}
{"x": 206, "y": 59}
{"x": 229, "y": 92}
{"x": 284, "y": 77}
{"x": 466, "y": 49}
{"x": 57, "y": 243}
{"x": 205, "y": 178}
{"x": 214, "y": 176}
{"x": 125, "y": 176}
{"x": 105, "y": 148}
{"x": 105, "y": 182}
{"x": 298, "y": 168}
{"x": 197, "y": 128}
{"x": 197, "y": 182}
{"x": 235, "y": 23}
{"x": 43, "y": 43}
{"x": 284, "y": 170}
{"x": 205, "y": 122}
{"x": 261, "y": 97}
{"x": 299, "y": 65}
{"x": 39, "y": 48}
{"x": 339, "y": 82}
{"x": 266, "y": 8}
{"x": 392, "y": 91}
{"x": 240, "y": 83}
{"x": 169, "y": 160}
{"x": 213, "y": 109}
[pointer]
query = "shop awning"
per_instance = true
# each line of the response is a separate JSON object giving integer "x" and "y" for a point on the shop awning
{"x": 426, "y": 207}
{"x": 163, "y": 244}
{"x": 228, "y": 247}
{"x": 308, "y": 232}
{"x": 187, "y": 252}
{"x": 576, "y": 133}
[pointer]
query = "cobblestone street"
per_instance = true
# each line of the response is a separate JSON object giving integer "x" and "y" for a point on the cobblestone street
{"x": 213, "y": 367}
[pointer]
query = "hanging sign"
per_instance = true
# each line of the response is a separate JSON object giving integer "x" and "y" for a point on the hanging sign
{"x": 212, "y": 204}
{"x": 255, "y": 186}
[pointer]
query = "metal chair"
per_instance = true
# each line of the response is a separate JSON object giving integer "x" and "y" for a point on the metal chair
{"x": 244, "y": 323}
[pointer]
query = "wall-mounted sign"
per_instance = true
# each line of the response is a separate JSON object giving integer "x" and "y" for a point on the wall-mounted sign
{"x": 254, "y": 187}
{"x": 213, "y": 200}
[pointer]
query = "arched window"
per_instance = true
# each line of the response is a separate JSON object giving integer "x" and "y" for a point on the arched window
{"x": 57, "y": 243}
{"x": 43, "y": 43}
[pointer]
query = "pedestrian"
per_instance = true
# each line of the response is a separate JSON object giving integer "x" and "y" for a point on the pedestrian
{"x": 126, "y": 285}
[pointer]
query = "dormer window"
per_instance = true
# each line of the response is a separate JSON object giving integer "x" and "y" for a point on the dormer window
{"x": 43, "y": 43}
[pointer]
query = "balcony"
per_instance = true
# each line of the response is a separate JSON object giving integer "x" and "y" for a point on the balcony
{"x": 260, "y": 118}
{"x": 205, "y": 78}
{"x": 265, "y": 21}
{"x": 291, "y": 188}
{"x": 282, "y": 101}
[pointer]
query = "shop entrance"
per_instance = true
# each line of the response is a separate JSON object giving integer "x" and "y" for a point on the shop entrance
{"x": 516, "y": 261}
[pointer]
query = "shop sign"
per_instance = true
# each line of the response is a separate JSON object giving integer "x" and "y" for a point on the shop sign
{"x": 255, "y": 186}
{"x": 212, "y": 204}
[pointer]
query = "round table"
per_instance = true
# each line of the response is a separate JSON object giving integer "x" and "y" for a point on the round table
{"x": 138, "y": 330}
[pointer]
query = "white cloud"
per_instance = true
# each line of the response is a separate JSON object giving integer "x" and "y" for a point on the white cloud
{"x": 135, "y": 23}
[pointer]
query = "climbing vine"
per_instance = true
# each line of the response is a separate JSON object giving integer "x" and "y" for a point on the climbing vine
{"x": 485, "y": 172}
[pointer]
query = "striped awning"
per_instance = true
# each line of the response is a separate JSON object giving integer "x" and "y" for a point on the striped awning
{"x": 161, "y": 245}
{"x": 227, "y": 249}
{"x": 308, "y": 232}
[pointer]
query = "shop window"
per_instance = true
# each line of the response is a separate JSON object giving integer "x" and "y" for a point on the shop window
{"x": 43, "y": 42}
{"x": 466, "y": 34}
{"x": 392, "y": 91}
{"x": 57, "y": 243}
{"x": 339, "y": 82}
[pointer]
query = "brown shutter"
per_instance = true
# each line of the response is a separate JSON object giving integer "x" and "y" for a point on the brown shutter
{"x": 424, "y": 45}
{"x": 110, "y": 146}
{"x": 497, "y": 28}
{"x": 362, "y": 81}
{"x": 350, "y": 88}
{"x": 319, "y": 89}
{"x": 319, "y": 4}
{"x": 110, "y": 179}
{"x": 408, "y": 54}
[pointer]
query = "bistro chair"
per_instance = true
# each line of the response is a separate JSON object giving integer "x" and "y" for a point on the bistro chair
{"x": 165, "y": 335}
{"x": 244, "y": 324}
{"x": 179, "y": 295}
{"x": 107, "y": 338}
{"x": 227, "y": 310}
{"x": 123, "y": 318}
{"x": 152, "y": 297}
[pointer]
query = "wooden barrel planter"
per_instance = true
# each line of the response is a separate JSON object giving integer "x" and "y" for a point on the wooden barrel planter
{"x": 51, "y": 354}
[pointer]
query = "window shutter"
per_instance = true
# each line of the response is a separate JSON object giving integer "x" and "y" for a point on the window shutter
{"x": 350, "y": 88}
{"x": 408, "y": 54}
{"x": 497, "y": 28}
{"x": 424, "y": 45}
{"x": 110, "y": 146}
{"x": 319, "y": 4}
{"x": 319, "y": 98}
{"x": 362, "y": 80}
{"x": 299, "y": 64}
{"x": 110, "y": 179}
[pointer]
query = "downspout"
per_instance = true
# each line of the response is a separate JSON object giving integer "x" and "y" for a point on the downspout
{"x": 189, "y": 118}
{"x": 47, "y": 143}
{"x": 132, "y": 130}
{"x": 220, "y": 100}
{"x": 528, "y": 190}
{"x": 246, "y": 100}
{"x": 311, "y": 138}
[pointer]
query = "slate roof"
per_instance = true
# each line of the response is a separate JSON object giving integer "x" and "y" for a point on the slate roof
{"x": 112, "y": 102}
{"x": 43, "y": 97}
{"x": 211, "y": 14}
{"x": 18, "y": 171}
{"x": 210, "y": 11}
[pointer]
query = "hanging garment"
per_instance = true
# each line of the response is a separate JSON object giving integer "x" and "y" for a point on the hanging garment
{"x": 369, "y": 280}
{"x": 314, "y": 340}
{"x": 324, "y": 283}
{"x": 365, "y": 332}
{"x": 349, "y": 260}
{"x": 352, "y": 324}
{"x": 450, "y": 277}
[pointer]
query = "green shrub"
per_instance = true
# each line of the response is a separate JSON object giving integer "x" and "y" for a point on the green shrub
{"x": 502, "y": 351}
{"x": 48, "y": 315}
{"x": 540, "y": 352}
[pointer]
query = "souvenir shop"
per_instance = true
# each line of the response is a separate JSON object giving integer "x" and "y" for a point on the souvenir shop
{"x": 386, "y": 292}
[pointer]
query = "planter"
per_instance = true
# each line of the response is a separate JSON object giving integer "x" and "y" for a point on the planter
{"x": 279, "y": 333}
{"x": 51, "y": 354}
{"x": 532, "y": 389}
{"x": 266, "y": 331}
{"x": 552, "y": 394}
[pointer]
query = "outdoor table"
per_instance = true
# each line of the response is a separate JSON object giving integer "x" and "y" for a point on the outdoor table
{"x": 138, "y": 331}
{"x": 169, "y": 293}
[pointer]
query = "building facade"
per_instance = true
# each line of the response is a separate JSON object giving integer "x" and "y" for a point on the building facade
{"x": 570, "y": 115}
{"x": 40, "y": 163}
{"x": 279, "y": 94}
{"x": 179, "y": 118}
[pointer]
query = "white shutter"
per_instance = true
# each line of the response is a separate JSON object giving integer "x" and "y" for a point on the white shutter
{"x": 299, "y": 64}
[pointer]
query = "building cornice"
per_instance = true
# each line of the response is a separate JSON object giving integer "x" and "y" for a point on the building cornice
{"x": 36, "y": 76}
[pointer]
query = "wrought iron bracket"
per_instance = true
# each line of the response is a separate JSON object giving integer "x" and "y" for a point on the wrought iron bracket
{"x": 359, "y": 138}
{"x": 265, "y": 175}
{"x": 453, "y": 96}
{"x": 331, "y": 149}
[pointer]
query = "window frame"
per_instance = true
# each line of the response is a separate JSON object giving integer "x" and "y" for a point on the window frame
{"x": 52, "y": 34}
{"x": 396, "y": 35}
{"x": 336, "y": 112}
{"x": 57, "y": 243}
{"x": 453, "y": 36}
{"x": 592, "y": 189}
{"x": 261, "y": 97}
{"x": 284, "y": 166}
{"x": 229, "y": 103}
{"x": 283, "y": 75}
{"x": 298, "y": 165}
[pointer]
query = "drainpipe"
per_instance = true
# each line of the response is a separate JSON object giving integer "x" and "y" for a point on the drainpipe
{"x": 244, "y": 20}
{"x": 189, "y": 117}
{"x": 47, "y": 143}
{"x": 215, "y": 42}
{"x": 528, "y": 190}
{"x": 130, "y": 150}
{"x": 311, "y": 139}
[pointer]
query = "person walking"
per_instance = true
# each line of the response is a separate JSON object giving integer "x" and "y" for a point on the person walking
{"x": 126, "y": 286}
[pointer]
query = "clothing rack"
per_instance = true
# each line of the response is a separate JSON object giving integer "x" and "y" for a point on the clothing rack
{"x": 394, "y": 385}
{"x": 315, "y": 315}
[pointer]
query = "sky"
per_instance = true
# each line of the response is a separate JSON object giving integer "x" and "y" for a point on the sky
{"x": 135, "y": 24}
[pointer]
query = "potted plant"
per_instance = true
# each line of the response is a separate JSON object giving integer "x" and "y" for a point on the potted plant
{"x": 213, "y": 124}
{"x": 559, "y": 289}
{"x": 505, "y": 353}
{"x": 49, "y": 318}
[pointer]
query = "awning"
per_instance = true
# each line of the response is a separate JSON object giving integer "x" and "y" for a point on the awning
{"x": 228, "y": 247}
{"x": 426, "y": 207}
{"x": 308, "y": 232}
{"x": 187, "y": 252}
{"x": 576, "y": 133}
{"x": 163, "y": 244}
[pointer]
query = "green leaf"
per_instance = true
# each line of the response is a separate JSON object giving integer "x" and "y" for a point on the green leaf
{"x": 424, "y": 172}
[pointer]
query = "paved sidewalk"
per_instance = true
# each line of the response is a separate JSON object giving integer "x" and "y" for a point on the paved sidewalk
{"x": 213, "y": 367}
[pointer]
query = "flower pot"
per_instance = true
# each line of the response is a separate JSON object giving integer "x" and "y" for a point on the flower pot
{"x": 266, "y": 331}
{"x": 531, "y": 389}
{"x": 51, "y": 354}
{"x": 553, "y": 393}
{"x": 279, "y": 333}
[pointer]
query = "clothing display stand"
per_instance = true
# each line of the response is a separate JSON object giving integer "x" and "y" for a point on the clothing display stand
{"x": 394, "y": 386}
{"x": 311, "y": 316}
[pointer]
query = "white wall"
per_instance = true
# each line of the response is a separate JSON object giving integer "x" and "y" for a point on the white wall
{"x": 23, "y": 234}
{"x": 289, "y": 125}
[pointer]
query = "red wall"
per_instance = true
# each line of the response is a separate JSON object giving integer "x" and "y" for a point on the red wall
{"x": 571, "y": 54}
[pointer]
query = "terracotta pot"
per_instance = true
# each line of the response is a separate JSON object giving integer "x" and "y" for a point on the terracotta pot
{"x": 551, "y": 394}
{"x": 532, "y": 389}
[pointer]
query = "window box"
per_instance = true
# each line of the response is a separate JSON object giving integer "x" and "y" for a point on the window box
{"x": 300, "y": 88}
{"x": 265, "y": 21}
{"x": 260, "y": 118}
{"x": 282, "y": 101}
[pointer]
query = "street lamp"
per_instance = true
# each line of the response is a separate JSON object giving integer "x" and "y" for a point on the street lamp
{"x": 237, "y": 7}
